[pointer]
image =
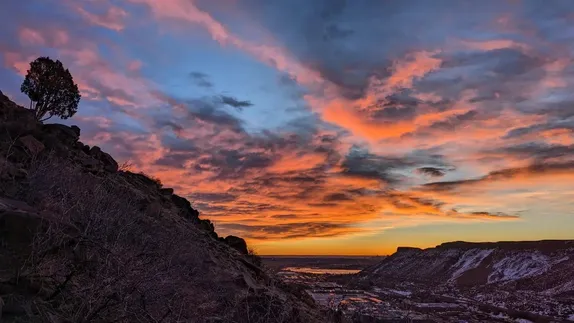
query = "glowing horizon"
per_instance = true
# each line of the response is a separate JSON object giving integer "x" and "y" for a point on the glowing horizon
{"x": 329, "y": 127}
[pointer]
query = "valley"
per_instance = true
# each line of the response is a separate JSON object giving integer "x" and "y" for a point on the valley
{"x": 454, "y": 282}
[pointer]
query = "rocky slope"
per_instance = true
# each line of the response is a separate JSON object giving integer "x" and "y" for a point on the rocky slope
{"x": 544, "y": 266}
{"x": 529, "y": 281}
{"x": 82, "y": 241}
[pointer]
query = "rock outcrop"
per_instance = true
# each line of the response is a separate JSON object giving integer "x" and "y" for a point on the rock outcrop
{"x": 82, "y": 241}
{"x": 237, "y": 243}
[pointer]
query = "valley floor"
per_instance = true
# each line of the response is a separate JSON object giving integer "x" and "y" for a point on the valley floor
{"x": 400, "y": 301}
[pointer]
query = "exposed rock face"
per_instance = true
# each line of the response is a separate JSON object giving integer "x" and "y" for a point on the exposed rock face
{"x": 76, "y": 130}
{"x": 237, "y": 244}
{"x": 63, "y": 133}
{"x": 532, "y": 265}
{"x": 81, "y": 241}
{"x": 185, "y": 209}
{"x": 166, "y": 191}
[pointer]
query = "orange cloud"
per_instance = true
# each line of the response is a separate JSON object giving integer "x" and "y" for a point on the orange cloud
{"x": 297, "y": 162}
{"x": 488, "y": 45}
{"x": 405, "y": 71}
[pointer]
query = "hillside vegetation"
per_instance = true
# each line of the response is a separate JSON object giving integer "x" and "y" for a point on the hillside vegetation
{"x": 82, "y": 241}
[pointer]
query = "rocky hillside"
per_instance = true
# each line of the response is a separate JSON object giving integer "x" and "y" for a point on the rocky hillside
{"x": 541, "y": 266}
{"x": 82, "y": 241}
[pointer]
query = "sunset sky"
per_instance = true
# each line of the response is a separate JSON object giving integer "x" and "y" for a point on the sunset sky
{"x": 326, "y": 126}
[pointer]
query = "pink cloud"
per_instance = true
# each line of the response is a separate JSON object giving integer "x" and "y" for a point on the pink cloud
{"x": 29, "y": 36}
{"x": 135, "y": 66}
{"x": 18, "y": 62}
{"x": 113, "y": 18}
{"x": 50, "y": 35}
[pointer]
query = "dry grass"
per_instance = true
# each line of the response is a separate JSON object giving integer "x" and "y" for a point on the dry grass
{"x": 101, "y": 259}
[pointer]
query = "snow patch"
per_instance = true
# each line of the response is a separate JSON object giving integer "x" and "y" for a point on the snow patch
{"x": 401, "y": 292}
{"x": 519, "y": 265}
{"x": 469, "y": 260}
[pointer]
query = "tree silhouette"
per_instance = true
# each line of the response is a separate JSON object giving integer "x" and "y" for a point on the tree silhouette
{"x": 51, "y": 89}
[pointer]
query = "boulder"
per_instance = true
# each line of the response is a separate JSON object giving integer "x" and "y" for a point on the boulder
{"x": 213, "y": 235}
{"x": 95, "y": 151}
{"x": 90, "y": 164}
{"x": 31, "y": 144}
{"x": 206, "y": 225}
{"x": 237, "y": 243}
{"x": 83, "y": 147}
{"x": 110, "y": 165}
{"x": 65, "y": 134}
{"x": 55, "y": 145}
{"x": 185, "y": 209}
{"x": 75, "y": 129}
{"x": 86, "y": 149}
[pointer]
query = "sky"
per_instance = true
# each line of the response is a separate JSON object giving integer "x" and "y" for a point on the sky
{"x": 326, "y": 126}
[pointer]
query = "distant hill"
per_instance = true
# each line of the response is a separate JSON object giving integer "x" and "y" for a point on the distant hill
{"x": 84, "y": 241}
{"x": 541, "y": 266}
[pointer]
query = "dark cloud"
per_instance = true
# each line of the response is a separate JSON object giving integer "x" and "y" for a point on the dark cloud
{"x": 561, "y": 110}
{"x": 233, "y": 102}
{"x": 455, "y": 122}
{"x": 539, "y": 151}
{"x": 395, "y": 107}
{"x": 175, "y": 159}
{"x": 284, "y": 216}
{"x": 361, "y": 163}
{"x": 231, "y": 164}
{"x": 502, "y": 175}
{"x": 204, "y": 111}
{"x": 406, "y": 202}
{"x": 201, "y": 79}
{"x": 337, "y": 197}
{"x": 333, "y": 32}
{"x": 497, "y": 214}
{"x": 432, "y": 171}
{"x": 504, "y": 62}
{"x": 565, "y": 125}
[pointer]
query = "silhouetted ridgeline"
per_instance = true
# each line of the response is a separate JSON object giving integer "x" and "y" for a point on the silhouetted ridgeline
{"x": 82, "y": 241}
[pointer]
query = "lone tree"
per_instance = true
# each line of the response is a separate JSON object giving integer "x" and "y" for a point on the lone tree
{"x": 51, "y": 89}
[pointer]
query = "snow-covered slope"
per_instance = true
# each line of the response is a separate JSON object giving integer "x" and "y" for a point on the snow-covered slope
{"x": 539, "y": 265}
